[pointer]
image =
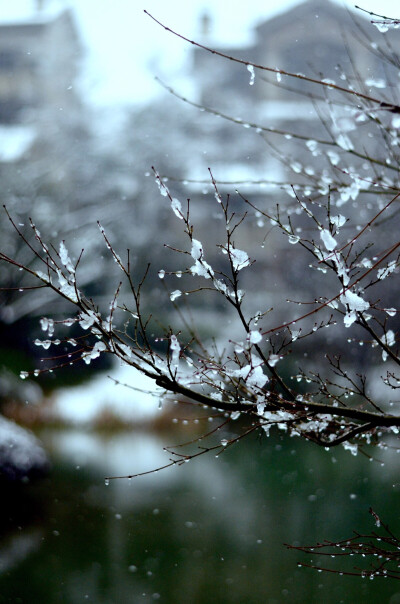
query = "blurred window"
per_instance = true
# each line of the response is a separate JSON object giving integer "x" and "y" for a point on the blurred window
{"x": 9, "y": 60}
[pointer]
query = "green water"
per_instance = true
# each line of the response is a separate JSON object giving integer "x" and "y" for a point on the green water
{"x": 210, "y": 531}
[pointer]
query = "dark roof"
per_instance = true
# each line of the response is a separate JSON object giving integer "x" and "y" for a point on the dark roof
{"x": 39, "y": 25}
{"x": 307, "y": 10}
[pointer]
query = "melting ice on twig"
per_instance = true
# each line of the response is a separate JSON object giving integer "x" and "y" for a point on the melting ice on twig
{"x": 250, "y": 68}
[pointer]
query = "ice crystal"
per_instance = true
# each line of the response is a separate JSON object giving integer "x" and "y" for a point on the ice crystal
{"x": 376, "y": 83}
{"x": 355, "y": 304}
{"x": 197, "y": 249}
{"x": 239, "y": 259}
{"x": 250, "y": 68}
{"x": 45, "y": 343}
{"x": 177, "y": 208}
{"x": 42, "y": 276}
{"x": 174, "y": 349}
{"x": 385, "y": 272}
{"x": 202, "y": 269}
{"x": 353, "y": 448}
{"x": 338, "y": 221}
{"x": 66, "y": 288}
{"x": 390, "y": 338}
{"x": 334, "y": 157}
{"x": 47, "y": 325}
{"x": 344, "y": 142}
{"x": 94, "y": 353}
{"x": 161, "y": 186}
{"x": 87, "y": 319}
{"x": 328, "y": 241}
{"x": 381, "y": 26}
{"x": 295, "y": 334}
{"x": 175, "y": 294}
{"x": 65, "y": 259}
{"x": 255, "y": 337}
{"x": 396, "y": 122}
{"x": 313, "y": 146}
{"x": 273, "y": 359}
{"x": 252, "y": 376}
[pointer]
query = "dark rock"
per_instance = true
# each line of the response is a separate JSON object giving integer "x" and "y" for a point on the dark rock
{"x": 21, "y": 455}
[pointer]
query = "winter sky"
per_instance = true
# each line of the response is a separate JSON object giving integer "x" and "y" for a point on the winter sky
{"x": 125, "y": 48}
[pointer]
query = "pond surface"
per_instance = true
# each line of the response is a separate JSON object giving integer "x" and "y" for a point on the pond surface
{"x": 210, "y": 531}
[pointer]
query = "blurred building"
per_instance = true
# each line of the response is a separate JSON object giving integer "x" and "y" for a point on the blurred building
{"x": 319, "y": 38}
{"x": 44, "y": 129}
{"x": 258, "y": 130}
{"x": 39, "y": 61}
